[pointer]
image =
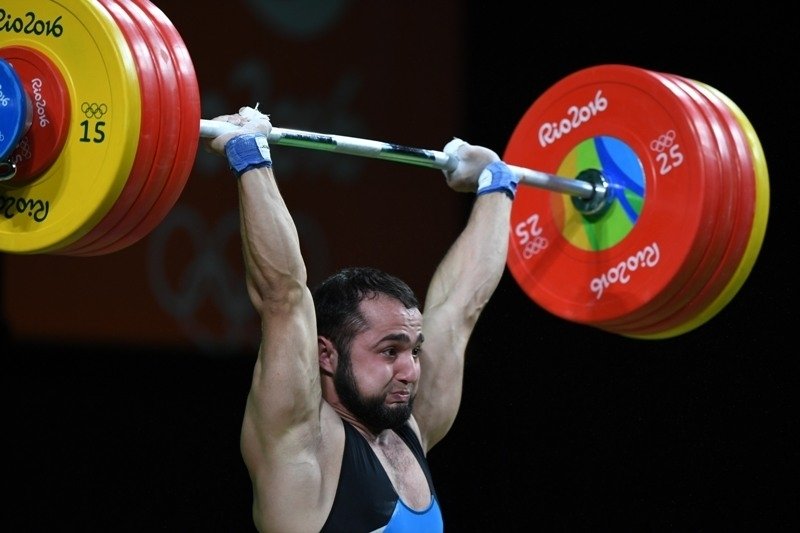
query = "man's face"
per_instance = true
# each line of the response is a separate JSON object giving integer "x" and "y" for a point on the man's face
{"x": 376, "y": 380}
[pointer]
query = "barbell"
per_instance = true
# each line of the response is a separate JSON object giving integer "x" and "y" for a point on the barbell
{"x": 645, "y": 222}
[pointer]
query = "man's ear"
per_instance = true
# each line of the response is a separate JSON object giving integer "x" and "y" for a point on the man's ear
{"x": 328, "y": 356}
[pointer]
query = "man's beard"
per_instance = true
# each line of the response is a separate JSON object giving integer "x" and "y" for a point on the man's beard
{"x": 373, "y": 412}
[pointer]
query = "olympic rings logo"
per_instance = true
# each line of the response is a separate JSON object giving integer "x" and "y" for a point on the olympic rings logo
{"x": 534, "y": 247}
{"x": 663, "y": 142}
{"x": 210, "y": 278}
{"x": 668, "y": 152}
{"x": 93, "y": 110}
{"x": 207, "y": 279}
{"x": 23, "y": 150}
{"x": 530, "y": 236}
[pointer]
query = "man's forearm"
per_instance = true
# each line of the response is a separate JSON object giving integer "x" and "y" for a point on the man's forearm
{"x": 474, "y": 264}
{"x": 270, "y": 241}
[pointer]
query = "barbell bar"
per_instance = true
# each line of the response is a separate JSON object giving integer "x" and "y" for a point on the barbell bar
{"x": 655, "y": 234}
{"x": 435, "y": 159}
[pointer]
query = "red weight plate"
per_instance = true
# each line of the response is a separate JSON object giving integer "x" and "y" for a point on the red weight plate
{"x": 716, "y": 293}
{"x": 161, "y": 127}
{"x": 42, "y": 144}
{"x": 147, "y": 142}
{"x": 625, "y": 122}
{"x": 695, "y": 293}
{"x": 186, "y": 111}
{"x": 717, "y": 264}
{"x": 761, "y": 211}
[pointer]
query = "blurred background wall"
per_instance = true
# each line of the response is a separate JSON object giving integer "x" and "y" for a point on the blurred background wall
{"x": 126, "y": 374}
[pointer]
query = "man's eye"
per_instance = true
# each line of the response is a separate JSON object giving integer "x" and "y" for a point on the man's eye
{"x": 416, "y": 351}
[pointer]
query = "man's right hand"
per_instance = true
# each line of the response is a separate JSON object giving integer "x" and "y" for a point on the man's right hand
{"x": 471, "y": 162}
{"x": 248, "y": 120}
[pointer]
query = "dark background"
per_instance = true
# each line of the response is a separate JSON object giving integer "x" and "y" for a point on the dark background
{"x": 562, "y": 427}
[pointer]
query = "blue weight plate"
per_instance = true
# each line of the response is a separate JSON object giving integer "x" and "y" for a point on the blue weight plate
{"x": 15, "y": 109}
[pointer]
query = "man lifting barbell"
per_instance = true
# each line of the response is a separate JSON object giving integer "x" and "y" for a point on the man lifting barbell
{"x": 351, "y": 387}
{"x": 664, "y": 218}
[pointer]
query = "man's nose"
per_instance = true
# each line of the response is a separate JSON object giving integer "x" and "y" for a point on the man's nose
{"x": 407, "y": 367}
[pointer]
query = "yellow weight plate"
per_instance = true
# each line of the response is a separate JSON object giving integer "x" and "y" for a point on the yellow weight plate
{"x": 91, "y": 52}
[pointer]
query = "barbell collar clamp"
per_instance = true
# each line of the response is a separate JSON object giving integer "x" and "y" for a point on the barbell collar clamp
{"x": 597, "y": 204}
{"x": 7, "y": 170}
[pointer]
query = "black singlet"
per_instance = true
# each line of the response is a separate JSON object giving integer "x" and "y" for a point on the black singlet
{"x": 365, "y": 499}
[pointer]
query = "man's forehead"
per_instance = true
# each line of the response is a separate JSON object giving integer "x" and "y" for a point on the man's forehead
{"x": 382, "y": 304}
{"x": 390, "y": 314}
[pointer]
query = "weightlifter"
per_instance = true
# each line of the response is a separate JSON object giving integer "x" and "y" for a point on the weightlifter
{"x": 353, "y": 385}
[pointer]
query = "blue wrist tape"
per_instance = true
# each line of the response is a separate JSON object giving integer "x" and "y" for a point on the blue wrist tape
{"x": 497, "y": 177}
{"x": 248, "y": 151}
